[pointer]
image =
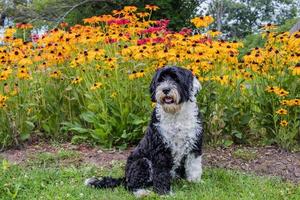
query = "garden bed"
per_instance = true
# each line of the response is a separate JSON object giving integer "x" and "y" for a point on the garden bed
{"x": 269, "y": 160}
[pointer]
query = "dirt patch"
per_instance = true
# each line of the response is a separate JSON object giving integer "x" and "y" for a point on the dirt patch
{"x": 268, "y": 160}
{"x": 87, "y": 154}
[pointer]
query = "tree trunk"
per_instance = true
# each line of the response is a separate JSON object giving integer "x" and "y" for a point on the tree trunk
{"x": 220, "y": 10}
{"x": 295, "y": 28}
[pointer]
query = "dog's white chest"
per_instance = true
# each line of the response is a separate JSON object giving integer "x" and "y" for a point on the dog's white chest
{"x": 179, "y": 131}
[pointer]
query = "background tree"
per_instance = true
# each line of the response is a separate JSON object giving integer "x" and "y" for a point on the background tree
{"x": 73, "y": 11}
{"x": 238, "y": 18}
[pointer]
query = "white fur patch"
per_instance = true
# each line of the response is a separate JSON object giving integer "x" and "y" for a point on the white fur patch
{"x": 179, "y": 130}
{"x": 140, "y": 193}
{"x": 196, "y": 86}
{"x": 193, "y": 168}
{"x": 89, "y": 181}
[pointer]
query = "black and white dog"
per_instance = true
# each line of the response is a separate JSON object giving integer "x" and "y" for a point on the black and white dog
{"x": 172, "y": 145}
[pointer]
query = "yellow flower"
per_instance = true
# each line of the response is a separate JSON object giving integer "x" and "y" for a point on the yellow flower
{"x": 23, "y": 73}
{"x": 76, "y": 80}
{"x": 56, "y": 74}
{"x": 96, "y": 86}
{"x": 282, "y": 92}
{"x": 213, "y": 33}
{"x": 202, "y": 21}
{"x": 269, "y": 26}
{"x": 282, "y": 111}
{"x": 296, "y": 69}
{"x": 3, "y": 99}
{"x": 296, "y": 102}
{"x": 153, "y": 104}
{"x": 135, "y": 75}
{"x": 284, "y": 102}
{"x": 283, "y": 123}
{"x": 131, "y": 76}
{"x": 113, "y": 95}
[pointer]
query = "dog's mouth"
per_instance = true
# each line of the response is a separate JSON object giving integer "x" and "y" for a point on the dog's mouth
{"x": 168, "y": 100}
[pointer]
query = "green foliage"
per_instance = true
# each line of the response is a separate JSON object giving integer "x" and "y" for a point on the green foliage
{"x": 288, "y": 24}
{"x": 250, "y": 42}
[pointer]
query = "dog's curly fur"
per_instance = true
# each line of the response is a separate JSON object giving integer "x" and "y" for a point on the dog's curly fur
{"x": 172, "y": 145}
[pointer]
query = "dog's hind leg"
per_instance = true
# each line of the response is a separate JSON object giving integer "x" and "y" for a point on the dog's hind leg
{"x": 139, "y": 176}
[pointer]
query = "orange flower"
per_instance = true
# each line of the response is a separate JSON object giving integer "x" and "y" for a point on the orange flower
{"x": 130, "y": 9}
{"x": 24, "y": 26}
{"x": 152, "y": 7}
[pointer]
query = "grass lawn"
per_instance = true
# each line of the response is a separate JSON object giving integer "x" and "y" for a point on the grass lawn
{"x": 49, "y": 176}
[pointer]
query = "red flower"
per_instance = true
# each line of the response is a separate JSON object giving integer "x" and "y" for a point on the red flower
{"x": 143, "y": 41}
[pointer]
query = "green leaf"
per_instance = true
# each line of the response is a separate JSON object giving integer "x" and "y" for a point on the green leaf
{"x": 138, "y": 121}
{"x": 228, "y": 143}
{"x": 78, "y": 138}
{"x": 255, "y": 108}
{"x": 245, "y": 119}
{"x": 237, "y": 134}
{"x": 79, "y": 130}
{"x": 24, "y": 136}
{"x": 100, "y": 134}
{"x": 30, "y": 125}
{"x": 88, "y": 117}
{"x": 46, "y": 127}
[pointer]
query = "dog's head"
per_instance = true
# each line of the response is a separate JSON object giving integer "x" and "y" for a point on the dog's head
{"x": 172, "y": 86}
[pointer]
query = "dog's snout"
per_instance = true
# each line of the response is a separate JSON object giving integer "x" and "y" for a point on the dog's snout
{"x": 166, "y": 90}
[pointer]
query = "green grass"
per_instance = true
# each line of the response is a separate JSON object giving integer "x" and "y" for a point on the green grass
{"x": 48, "y": 181}
{"x": 246, "y": 155}
{"x": 62, "y": 157}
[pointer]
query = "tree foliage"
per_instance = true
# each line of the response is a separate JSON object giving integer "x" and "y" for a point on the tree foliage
{"x": 235, "y": 18}
{"x": 73, "y": 11}
{"x": 238, "y": 18}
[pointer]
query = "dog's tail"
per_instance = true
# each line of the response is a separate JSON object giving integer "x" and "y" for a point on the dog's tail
{"x": 104, "y": 182}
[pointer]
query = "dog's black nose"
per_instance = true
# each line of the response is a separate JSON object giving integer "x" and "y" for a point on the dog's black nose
{"x": 166, "y": 90}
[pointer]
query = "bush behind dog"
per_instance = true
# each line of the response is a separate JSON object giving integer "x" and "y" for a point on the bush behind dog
{"x": 90, "y": 83}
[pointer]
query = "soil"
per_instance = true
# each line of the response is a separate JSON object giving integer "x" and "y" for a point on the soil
{"x": 269, "y": 160}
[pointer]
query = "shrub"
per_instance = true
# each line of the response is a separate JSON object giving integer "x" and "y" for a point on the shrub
{"x": 91, "y": 82}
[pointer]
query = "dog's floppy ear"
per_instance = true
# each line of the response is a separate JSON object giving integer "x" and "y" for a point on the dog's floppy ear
{"x": 196, "y": 86}
{"x": 186, "y": 80}
{"x": 153, "y": 85}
